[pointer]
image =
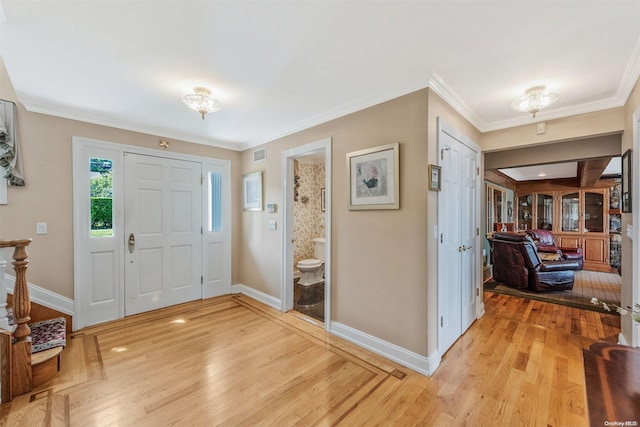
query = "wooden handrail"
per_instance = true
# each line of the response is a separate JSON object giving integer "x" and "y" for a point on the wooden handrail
{"x": 21, "y": 375}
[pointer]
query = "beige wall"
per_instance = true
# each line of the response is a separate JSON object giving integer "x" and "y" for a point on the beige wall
{"x": 603, "y": 122}
{"x": 47, "y": 197}
{"x": 631, "y": 106}
{"x": 384, "y": 276}
{"x": 379, "y": 257}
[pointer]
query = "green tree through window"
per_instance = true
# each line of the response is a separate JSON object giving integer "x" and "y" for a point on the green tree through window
{"x": 101, "y": 192}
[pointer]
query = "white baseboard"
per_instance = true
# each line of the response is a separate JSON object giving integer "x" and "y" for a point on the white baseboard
{"x": 257, "y": 295}
{"x": 43, "y": 296}
{"x": 421, "y": 364}
{"x": 417, "y": 362}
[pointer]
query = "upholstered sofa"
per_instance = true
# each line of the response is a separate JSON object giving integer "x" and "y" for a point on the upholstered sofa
{"x": 546, "y": 243}
{"x": 516, "y": 263}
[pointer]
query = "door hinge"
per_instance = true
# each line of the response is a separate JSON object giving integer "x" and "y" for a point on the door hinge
{"x": 442, "y": 321}
{"x": 478, "y": 171}
{"x": 201, "y": 179}
{"x": 477, "y": 231}
{"x": 201, "y": 230}
{"x": 201, "y": 280}
{"x": 477, "y": 292}
{"x": 441, "y": 237}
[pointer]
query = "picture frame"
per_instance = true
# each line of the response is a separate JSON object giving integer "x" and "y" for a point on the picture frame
{"x": 625, "y": 195}
{"x": 374, "y": 178}
{"x": 435, "y": 178}
{"x": 323, "y": 203}
{"x": 252, "y": 191}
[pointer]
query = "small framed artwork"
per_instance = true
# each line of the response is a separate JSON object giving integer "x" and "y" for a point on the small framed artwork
{"x": 374, "y": 178}
{"x": 435, "y": 177}
{"x": 626, "y": 182}
{"x": 323, "y": 203}
{"x": 252, "y": 191}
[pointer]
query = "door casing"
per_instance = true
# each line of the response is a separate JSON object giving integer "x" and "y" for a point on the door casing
{"x": 83, "y": 147}
{"x": 288, "y": 157}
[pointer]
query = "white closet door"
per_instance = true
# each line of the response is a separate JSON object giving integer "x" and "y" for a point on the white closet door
{"x": 458, "y": 239}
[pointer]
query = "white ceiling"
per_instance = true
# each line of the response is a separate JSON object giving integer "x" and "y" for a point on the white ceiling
{"x": 278, "y": 67}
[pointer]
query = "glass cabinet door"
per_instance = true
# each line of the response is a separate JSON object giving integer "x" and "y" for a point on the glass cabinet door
{"x": 525, "y": 211}
{"x": 593, "y": 212}
{"x": 544, "y": 211}
{"x": 571, "y": 212}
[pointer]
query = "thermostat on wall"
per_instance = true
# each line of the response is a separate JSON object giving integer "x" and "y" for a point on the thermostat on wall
{"x": 271, "y": 207}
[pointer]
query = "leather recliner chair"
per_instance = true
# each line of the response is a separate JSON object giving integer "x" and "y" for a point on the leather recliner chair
{"x": 516, "y": 263}
{"x": 546, "y": 243}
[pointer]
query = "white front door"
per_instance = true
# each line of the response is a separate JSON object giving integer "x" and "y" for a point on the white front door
{"x": 163, "y": 240}
{"x": 459, "y": 241}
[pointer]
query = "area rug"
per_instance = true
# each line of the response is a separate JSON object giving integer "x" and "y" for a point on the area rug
{"x": 613, "y": 385}
{"x": 587, "y": 284}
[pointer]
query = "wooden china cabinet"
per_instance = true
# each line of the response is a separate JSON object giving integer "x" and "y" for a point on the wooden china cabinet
{"x": 577, "y": 218}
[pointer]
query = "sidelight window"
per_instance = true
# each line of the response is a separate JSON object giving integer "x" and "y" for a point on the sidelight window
{"x": 215, "y": 201}
{"x": 101, "y": 197}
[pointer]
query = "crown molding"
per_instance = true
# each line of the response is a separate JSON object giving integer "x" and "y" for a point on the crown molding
{"x": 71, "y": 114}
{"x": 451, "y": 97}
{"x": 345, "y": 109}
{"x": 629, "y": 79}
{"x": 631, "y": 73}
{"x": 558, "y": 113}
{"x": 3, "y": 17}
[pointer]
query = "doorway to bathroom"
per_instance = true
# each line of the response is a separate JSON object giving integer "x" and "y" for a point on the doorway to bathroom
{"x": 306, "y": 286}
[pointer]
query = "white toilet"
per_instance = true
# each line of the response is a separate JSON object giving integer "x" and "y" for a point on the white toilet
{"x": 312, "y": 270}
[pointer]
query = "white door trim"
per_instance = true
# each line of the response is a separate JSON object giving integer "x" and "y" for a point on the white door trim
{"x": 287, "y": 230}
{"x": 634, "y": 292}
{"x": 79, "y": 200}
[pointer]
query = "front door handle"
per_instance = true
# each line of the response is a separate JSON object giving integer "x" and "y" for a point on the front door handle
{"x": 132, "y": 243}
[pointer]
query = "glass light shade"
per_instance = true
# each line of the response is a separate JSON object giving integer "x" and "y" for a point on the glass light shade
{"x": 201, "y": 101}
{"x": 534, "y": 99}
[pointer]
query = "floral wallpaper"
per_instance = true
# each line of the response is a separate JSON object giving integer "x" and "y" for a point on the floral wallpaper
{"x": 308, "y": 218}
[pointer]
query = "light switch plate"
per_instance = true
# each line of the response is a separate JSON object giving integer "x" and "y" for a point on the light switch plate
{"x": 541, "y": 128}
{"x": 41, "y": 228}
{"x": 272, "y": 225}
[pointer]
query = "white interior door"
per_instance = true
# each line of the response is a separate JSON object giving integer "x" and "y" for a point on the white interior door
{"x": 163, "y": 240}
{"x": 449, "y": 269}
{"x": 468, "y": 236}
{"x": 459, "y": 241}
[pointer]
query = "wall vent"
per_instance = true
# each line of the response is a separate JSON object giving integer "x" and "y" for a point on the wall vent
{"x": 260, "y": 155}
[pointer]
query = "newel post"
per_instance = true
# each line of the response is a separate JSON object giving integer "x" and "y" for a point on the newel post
{"x": 21, "y": 358}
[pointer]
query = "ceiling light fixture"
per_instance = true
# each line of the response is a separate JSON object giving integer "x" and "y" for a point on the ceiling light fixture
{"x": 201, "y": 101}
{"x": 534, "y": 99}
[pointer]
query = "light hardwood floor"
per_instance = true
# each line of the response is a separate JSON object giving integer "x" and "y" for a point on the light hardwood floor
{"x": 233, "y": 361}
